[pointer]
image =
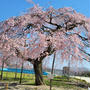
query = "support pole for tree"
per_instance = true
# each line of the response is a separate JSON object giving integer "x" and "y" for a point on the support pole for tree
{"x": 16, "y": 72}
{"x": 1, "y": 77}
{"x": 69, "y": 70}
{"x": 52, "y": 70}
{"x": 21, "y": 73}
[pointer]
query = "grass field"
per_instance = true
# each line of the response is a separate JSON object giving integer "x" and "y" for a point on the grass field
{"x": 58, "y": 81}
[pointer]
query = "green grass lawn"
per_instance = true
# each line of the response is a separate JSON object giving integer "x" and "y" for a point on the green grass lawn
{"x": 9, "y": 77}
{"x": 58, "y": 81}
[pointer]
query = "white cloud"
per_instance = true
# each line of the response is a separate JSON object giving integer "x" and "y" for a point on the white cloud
{"x": 30, "y": 1}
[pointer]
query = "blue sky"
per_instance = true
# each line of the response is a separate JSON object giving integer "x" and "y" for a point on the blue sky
{"x": 9, "y": 8}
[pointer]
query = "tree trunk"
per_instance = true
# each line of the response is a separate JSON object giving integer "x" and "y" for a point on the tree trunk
{"x": 1, "y": 76}
{"x": 38, "y": 72}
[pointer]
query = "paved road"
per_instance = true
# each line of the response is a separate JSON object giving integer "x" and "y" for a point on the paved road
{"x": 87, "y": 79}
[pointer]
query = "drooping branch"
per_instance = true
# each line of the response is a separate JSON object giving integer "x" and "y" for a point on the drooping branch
{"x": 83, "y": 38}
{"x": 84, "y": 52}
{"x": 19, "y": 54}
{"x": 86, "y": 59}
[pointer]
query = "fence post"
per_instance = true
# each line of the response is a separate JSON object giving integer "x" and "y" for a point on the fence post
{"x": 6, "y": 86}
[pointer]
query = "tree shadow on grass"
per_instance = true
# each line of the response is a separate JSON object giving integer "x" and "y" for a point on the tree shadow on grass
{"x": 11, "y": 79}
{"x": 9, "y": 84}
{"x": 27, "y": 84}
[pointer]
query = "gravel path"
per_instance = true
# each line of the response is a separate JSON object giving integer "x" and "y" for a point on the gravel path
{"x": 87, "y": 79}
{"x": 29, "y": 87}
